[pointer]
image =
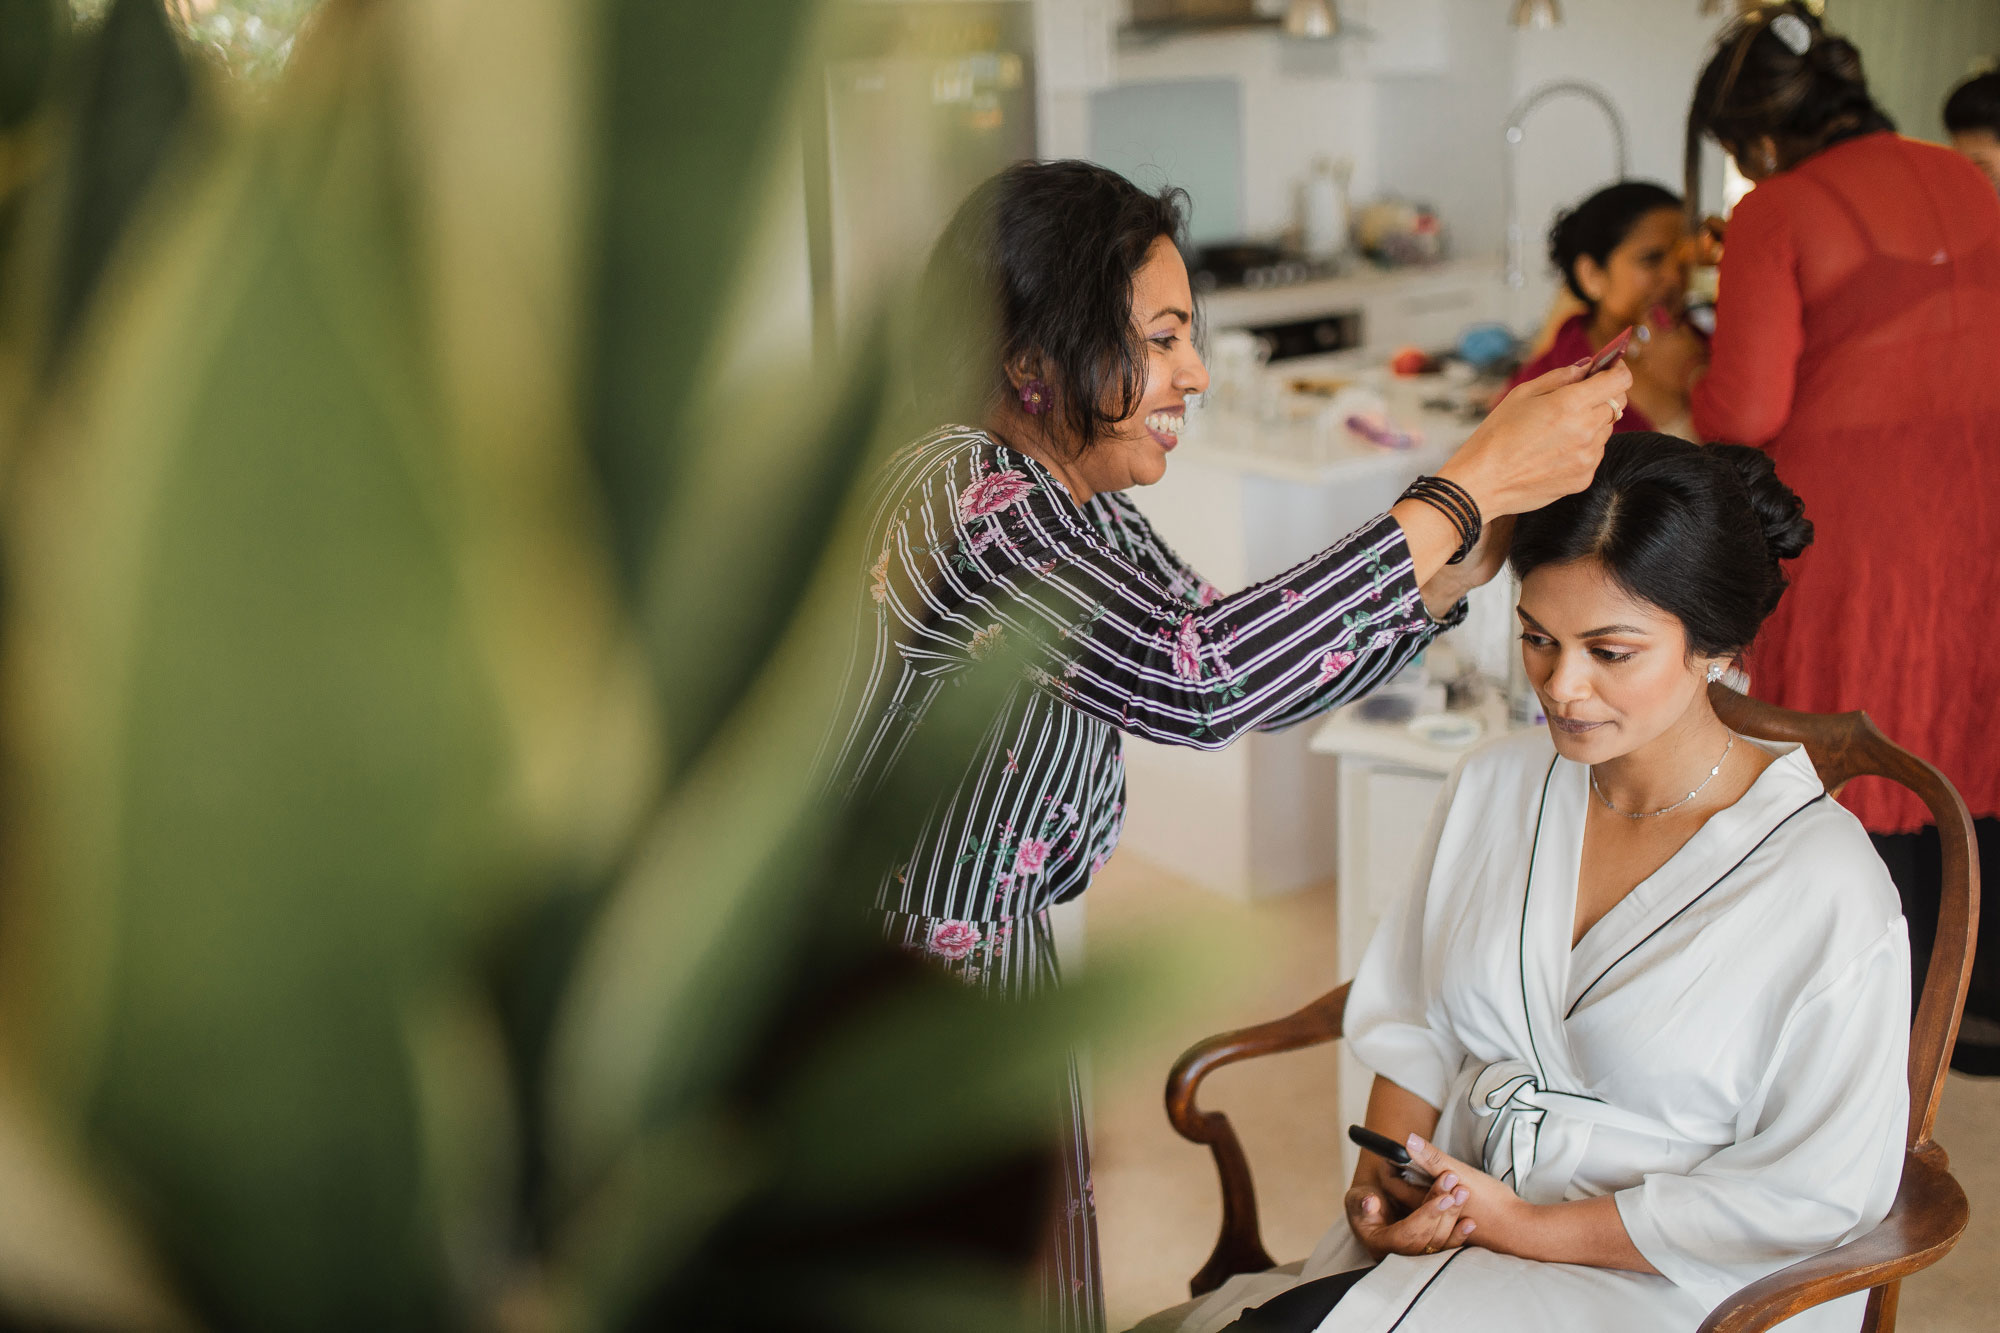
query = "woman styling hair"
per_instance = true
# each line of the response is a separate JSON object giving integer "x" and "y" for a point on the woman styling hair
{"x": 1643, "y": 1017}
{"x": 1854, "y": 341}
{"x": 1622, "y": 254}
{"x": 1055, "y": 355}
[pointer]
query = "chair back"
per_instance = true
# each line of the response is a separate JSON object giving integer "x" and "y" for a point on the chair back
{"x": 1844, "y": 746}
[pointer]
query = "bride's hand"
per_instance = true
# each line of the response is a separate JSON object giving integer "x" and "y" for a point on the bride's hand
{"x": 1498, "y": 1213}
{"x": 1434, "y": 1225}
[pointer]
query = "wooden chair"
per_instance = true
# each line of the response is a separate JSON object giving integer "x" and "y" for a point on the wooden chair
{"x": 1930, "y": 1210}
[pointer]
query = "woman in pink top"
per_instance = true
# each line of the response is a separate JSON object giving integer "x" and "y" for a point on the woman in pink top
{"x": 1622, "y": 254}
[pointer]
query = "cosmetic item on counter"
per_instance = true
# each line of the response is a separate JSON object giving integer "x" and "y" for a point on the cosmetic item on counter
{"x": 1381, "y": 432}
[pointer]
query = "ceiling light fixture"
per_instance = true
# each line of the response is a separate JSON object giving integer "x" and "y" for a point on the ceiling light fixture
{"x": 1537, "y": 14}
{"x": 1311, "y": 18}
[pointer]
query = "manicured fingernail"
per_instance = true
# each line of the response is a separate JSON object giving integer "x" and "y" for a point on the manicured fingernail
{"x": 1444, "y": 1204}
{"x": 1459, "y": 1197}
{"x": 1368, "y": 1205}
{"x": 1580, "y": 363}
{"x": 1469, "y": 1227}
{"x": 1449, "y": 1179}
{"x": 1414, "y": 1144}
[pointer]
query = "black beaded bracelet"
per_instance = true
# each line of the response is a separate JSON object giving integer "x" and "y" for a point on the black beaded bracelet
{"x": 1455, "y": 503}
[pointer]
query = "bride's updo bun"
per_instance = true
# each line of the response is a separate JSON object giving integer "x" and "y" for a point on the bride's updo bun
{"x": 1697, "y": 531}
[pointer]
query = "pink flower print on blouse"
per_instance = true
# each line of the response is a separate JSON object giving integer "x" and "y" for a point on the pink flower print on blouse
{"x": 1098, "y": 862}
{"x": 1289, "y": 596}
{"x": 991, "y": 494}
{"x": 987, "y": 641}
{"x": 1333, "y": 664}
{"x": 1034, "y": 854}
{"x": 1209, "y": 593}
{"x": 879, "y": 587}
{"x": 1187, "y": 650}
{"x": 953, "y": 939}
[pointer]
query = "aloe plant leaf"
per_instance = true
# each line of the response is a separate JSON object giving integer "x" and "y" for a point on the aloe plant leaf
{"x": 135, "y": 94}
{"x": 265, "y": 757}
{"x": 31, "y": 35}
{"x": 693, "y": 92}
{"x": 70, "y": 1256}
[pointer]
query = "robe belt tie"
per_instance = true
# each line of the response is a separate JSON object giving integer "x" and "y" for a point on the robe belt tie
{"x": 1508, "y": 1094}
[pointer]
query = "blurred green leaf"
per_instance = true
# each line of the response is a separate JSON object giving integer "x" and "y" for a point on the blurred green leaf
{"x": 69, "y": 1257}
{"x": 31, "y": 33}
{"x": 134, "y": 97}
{"x": 259, "y": 721}
{"x": 679, "y": 185}
{"x": 752, "y": 502}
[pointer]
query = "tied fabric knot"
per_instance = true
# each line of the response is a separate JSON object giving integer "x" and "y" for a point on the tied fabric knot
{"x": 1508, "y": 1093}
{"x": 1535, "y": 1137}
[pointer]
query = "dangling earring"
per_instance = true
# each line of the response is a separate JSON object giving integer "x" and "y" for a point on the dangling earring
{"x": 1714, "y": 672}
{"x": 1034, "y": 398}
{"x": 1770, "y": 162}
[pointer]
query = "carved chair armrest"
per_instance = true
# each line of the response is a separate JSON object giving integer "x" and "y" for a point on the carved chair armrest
{"x": 1927, "y": 1219}
{"x": 1240, "y": 1247}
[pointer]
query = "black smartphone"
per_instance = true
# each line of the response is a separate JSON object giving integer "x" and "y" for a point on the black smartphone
{"x": 1385, "y": 1147}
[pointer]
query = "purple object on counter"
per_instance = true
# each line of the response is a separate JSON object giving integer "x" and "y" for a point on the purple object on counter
{"x": 1381, "y": 433}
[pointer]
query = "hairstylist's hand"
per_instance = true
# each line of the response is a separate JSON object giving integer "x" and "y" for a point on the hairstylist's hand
{"x": 1542, "y": 442}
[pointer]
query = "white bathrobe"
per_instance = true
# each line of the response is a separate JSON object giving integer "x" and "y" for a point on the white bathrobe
{"x": 1723, "y": 1052}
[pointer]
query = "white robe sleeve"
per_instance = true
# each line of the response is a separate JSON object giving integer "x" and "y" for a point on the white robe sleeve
{"x": 1823, "y": 1148}
{"x": 1393, "y": 1022}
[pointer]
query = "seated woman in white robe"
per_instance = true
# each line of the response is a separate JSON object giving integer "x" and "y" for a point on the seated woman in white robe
{"x": 1643, "y": 1016}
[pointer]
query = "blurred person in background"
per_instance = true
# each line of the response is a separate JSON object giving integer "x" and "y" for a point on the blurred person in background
{"x": 1972, "y": 116}
{"x": 1855, "y": 341}
{"x": 1053, "y": 359}
{"x": 1622, "y": 254}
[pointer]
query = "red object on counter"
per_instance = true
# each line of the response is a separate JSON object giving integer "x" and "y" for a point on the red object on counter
{"x": 1855, "y": 340}
{"x": 1411, "y": 361}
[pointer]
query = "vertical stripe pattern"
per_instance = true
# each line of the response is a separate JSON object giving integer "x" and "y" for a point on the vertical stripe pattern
{"x": 977, "y": 550}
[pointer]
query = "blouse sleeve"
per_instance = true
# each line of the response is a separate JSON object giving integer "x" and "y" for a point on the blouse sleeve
{"x": 1393, "y": 1022}
{"x": 1011, "y": 566}
{"x": 1822, "y": 1156}
{"x": 1746, "y": 396}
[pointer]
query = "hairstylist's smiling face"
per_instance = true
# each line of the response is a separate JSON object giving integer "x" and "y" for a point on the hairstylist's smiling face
{"x": 1134, "y": 452}
{"x": 1612, "y": 671}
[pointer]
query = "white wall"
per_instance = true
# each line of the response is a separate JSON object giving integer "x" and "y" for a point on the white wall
{"x": 1298, "y": 104}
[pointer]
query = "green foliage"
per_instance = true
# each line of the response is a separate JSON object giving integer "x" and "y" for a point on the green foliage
{"x": 417, "y": 907}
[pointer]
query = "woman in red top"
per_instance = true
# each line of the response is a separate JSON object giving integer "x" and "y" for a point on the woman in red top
{"x": 1855, "y": 340}
{"x": 1622, "y": 254}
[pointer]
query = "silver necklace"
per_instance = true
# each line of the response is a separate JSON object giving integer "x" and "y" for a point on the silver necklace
{"x": 1650, "y": 814}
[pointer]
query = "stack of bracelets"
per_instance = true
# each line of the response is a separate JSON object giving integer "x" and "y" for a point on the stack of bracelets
{"x": 1455, "y": 503}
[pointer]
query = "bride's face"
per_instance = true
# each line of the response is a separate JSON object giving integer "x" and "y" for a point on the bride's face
{"x": 1613, "y": 672}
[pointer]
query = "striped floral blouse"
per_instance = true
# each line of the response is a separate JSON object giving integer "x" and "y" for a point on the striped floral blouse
{"x": 976, "y": 544}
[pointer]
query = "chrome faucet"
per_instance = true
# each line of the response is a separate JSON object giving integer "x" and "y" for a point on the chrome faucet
{"x": 1516, "y": 132}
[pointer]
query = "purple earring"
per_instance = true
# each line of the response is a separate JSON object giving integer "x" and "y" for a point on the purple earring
{"x": 1034, "y": 398}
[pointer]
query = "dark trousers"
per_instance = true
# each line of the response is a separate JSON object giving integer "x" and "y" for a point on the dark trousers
{"x": 1916, "y": 864}
{"x": 1299, "y": 1310}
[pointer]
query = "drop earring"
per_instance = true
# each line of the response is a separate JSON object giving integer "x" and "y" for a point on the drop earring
{"x": 1034, "y": 398}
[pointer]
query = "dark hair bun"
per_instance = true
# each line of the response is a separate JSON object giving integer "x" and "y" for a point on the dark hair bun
{"x": 1780, "y": 512}
{"x": 1696, "y": 530}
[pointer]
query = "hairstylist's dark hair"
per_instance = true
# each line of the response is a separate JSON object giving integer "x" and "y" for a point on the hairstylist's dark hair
{"x": 1759, "y": 82}
{"x": 1695, "y": 530}
{"x": 1600, "y": 224}
{"x": 1974, "y": 105}
{"x": 1038, "y": 261}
